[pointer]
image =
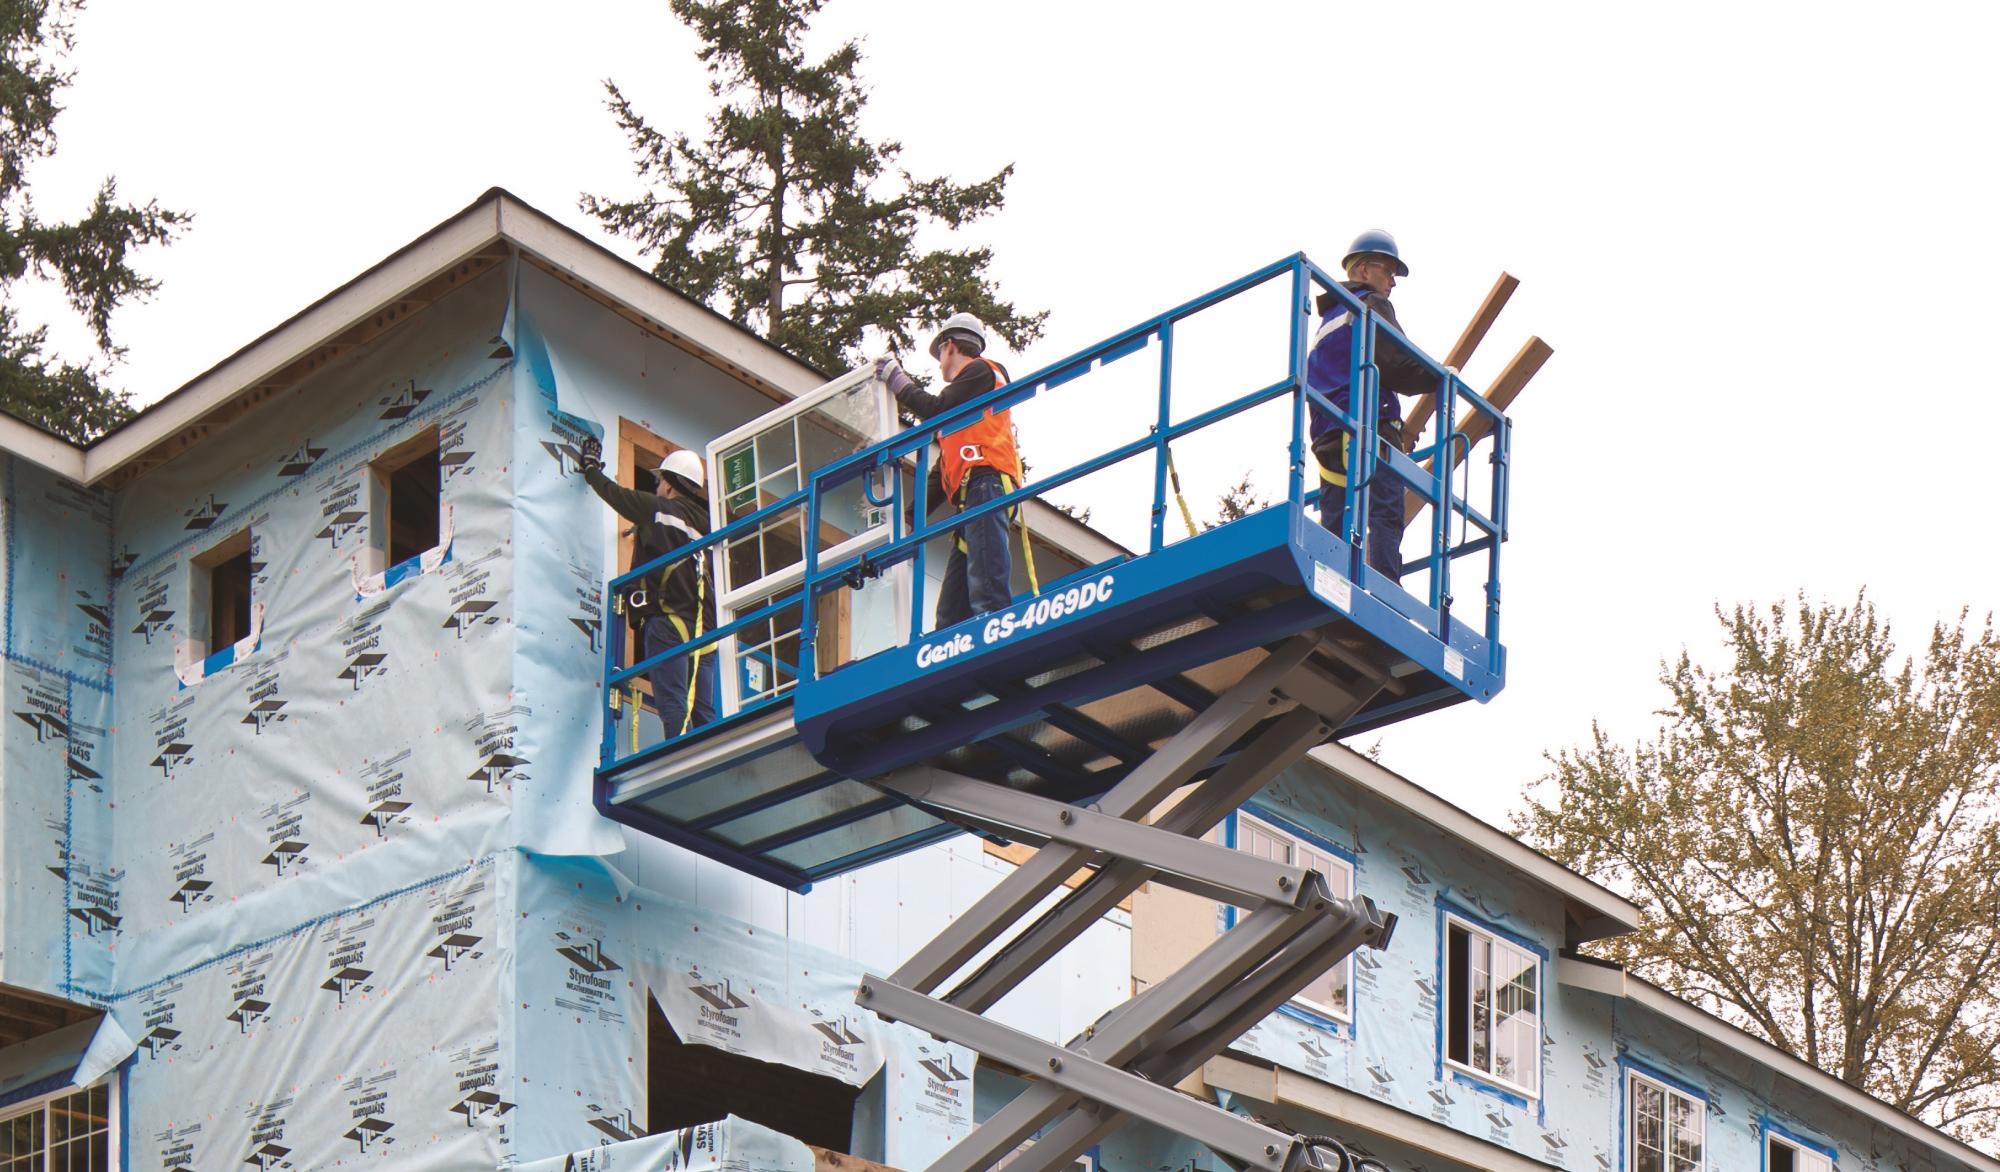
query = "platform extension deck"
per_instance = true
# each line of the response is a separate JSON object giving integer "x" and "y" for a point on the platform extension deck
{"x": 1062, "y": 695}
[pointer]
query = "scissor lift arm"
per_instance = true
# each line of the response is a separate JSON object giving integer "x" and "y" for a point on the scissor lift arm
{"x": 1125, "y": 1065}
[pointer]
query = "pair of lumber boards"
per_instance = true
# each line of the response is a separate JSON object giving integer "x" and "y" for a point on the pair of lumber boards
{"x": 1504, "y": 389}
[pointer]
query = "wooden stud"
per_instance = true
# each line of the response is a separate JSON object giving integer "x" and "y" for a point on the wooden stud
{"x": 1468, "y": 341}
{"x": 1506, "y": 387}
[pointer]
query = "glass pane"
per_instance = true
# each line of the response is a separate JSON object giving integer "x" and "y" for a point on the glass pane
{"x": 1253, "y": 838}
{"x": 1517, "y": 1029}
{"x": 1482, "y": 1001}
{"x": 1339, "y": 879}
{"x": 776, "y": 453}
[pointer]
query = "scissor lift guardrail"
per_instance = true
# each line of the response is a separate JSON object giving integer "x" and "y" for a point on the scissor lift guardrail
{"x": 1087, "y": 683}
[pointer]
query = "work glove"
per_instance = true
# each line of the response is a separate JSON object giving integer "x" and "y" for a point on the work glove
{"x": 590, "y": 454}
{"x": 890, "y": 371}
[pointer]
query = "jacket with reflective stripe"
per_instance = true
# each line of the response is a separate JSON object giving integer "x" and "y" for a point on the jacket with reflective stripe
{"x": 661, "y": 524}
{"x": 1333, "y": 349}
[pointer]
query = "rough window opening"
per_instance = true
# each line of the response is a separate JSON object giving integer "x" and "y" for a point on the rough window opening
{"x": 220, "y": 585}
{"x": 689, "y": 1084}
{"x": 1492, "y": 1007}
{"x": 408, "y": 499}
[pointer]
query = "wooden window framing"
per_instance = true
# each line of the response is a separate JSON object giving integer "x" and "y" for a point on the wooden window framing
{"x": 221, "y": 595}
{"x": 383, "y": 548}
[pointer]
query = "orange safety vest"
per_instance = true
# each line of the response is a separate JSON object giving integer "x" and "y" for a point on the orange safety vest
{"x": 988, "y": 441}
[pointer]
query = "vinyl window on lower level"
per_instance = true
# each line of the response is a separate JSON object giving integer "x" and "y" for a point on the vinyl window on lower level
{"x": 70, "y": 1133}
{"x": 1332, "y": 991}
{"x": 1664, "y": 1128}
{"x": 1782, "y": 1155}
{"x": 1493, "y": 1025}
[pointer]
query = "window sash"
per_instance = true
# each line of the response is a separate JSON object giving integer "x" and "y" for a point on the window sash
{"x": 70, "y": 1130}
{"x": 1666, "y": 1128}
{"x": 1502, "y": 1009}
{"x": 1804, "y": 1159}
{"x": 1332, "y": 992}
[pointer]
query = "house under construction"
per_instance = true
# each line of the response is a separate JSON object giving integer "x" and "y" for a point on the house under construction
{"x": 340, "y": 829}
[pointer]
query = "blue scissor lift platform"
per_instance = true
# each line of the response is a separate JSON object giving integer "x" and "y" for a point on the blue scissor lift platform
{"x": 1212, "y": 661}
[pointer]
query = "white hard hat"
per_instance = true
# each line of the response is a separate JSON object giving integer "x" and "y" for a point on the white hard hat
{"x": 961, "y": 327}
{"x": 686, "y": 465}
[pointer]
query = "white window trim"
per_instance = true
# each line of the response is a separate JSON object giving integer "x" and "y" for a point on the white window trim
{"x": 1801, "y": 1153}
{"x": 1444, "y": 989}
{"x": 1343, "y": 1016}
{"x": 1631, "y": 1155}
{"x": 113, "y": 1111}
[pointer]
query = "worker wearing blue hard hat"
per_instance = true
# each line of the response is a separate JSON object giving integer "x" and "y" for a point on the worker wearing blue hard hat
{"x": 1372, "y": 265}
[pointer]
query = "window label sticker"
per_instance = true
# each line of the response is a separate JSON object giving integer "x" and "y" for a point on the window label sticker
{"x": 1454, "y": 664}
{"x": 1332, "y": 587}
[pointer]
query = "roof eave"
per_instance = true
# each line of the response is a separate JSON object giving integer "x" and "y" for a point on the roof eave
{"x": 496, "y": 218}
{"x": 1594, "y": 911}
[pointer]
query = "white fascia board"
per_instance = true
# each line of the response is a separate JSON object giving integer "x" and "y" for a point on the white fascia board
{"x": 1608, "y": 979}
{"x": 1713, "y": 1029}
{"x": 33, "y": 444}
{"x": 1284, "y": 1088}
{"x": 430, "y": 255}
{"x": 1606, "y": 912}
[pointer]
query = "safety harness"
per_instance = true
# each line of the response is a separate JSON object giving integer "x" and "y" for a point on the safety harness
{"x": 637, "y": 599}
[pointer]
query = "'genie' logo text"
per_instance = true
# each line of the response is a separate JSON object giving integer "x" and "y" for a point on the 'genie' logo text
{"x": 1007, "y": 624}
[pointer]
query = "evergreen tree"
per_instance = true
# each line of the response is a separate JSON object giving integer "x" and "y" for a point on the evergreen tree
{"x": 786, "y": 219}
{"x": 1237, "y": 501}
{"x": 87, "y": 258}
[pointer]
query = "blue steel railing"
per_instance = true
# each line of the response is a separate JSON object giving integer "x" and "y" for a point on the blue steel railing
{"x": 1426, "y": 469}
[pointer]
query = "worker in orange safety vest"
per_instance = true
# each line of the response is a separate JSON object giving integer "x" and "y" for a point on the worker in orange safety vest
{"x": 978, "y": 463}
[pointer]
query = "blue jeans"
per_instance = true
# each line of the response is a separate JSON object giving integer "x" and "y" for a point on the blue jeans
{"x": 670, "y": 679}
{"x": 1385, "y": 519}
{"x": 978, "y": 579}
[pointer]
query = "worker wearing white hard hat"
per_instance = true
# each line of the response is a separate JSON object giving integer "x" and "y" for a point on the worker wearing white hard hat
{"x": 978, "y": 462}
{"x": 675, "y": 606}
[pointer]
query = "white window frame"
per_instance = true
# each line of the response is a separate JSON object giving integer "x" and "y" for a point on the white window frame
{"x": 114, "y": 1142}
{"x": 1804, "y": 1159}
{"x": 1495, "y": 942}
{"x": 1635, "y": 1080}
{"x": 1339, "y": 874}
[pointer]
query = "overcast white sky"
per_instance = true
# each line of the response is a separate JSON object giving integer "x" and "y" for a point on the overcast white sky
{"x": 1761, "y": 238}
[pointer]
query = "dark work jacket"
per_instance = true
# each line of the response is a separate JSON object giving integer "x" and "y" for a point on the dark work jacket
{"x": 975, "y": 380}
{"x": 1403, "y": 373}
{"x": 662, "y": 525}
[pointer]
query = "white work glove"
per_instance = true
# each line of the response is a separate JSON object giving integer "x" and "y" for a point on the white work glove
{"x": 890, "y": 371}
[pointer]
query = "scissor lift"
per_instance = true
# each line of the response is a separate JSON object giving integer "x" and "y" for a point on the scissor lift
{"x": 1111, "y": 720}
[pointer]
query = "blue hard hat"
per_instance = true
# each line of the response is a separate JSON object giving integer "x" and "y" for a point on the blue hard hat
{"x": 1377, "y": 241}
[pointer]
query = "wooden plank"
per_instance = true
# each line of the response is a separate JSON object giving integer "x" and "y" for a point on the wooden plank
{"x": 828, "y": 1160}
{"x": 1461, "y": 351}
{"x": 1506, "y": 387}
